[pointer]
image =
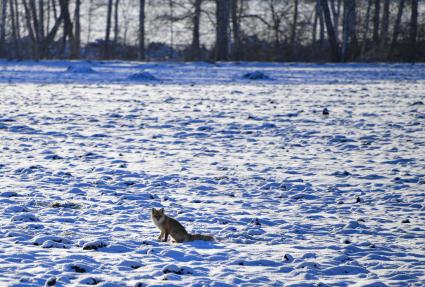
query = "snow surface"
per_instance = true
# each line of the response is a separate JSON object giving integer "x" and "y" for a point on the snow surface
{"x": 294, "y": 197}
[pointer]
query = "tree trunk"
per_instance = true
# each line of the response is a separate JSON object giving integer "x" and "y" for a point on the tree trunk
{"x": 171, "y": 7}
{"x": 222, "y": 28}
{"x": 385, "y": 24}
{"x": 68, "y": 29}
{"x": 3, "y": 28}
{"x": 315, "y": 21}
{"x": 335, "y": 57}
{"x": 336, "y": 12}
{"x": 236, "y": 28}
{"x": 51, "y": 35}
{"x": 376, "y": 20}
{"x": 35, "y": 23}
{"x": 142, "y": 55}
{"x": 321, "y": 25}
{"x": 41, "y": 18}
{"x": 77, "y": 43}
{"x": 116, "y": 22}
{"x": 413, "y": 31}
{"x": 294, "y": 29}
{"x": 354, "y": 44}
{"x": 18, "y": 28}
{"x": 89, "y": 21}
{"x": 28, "y": 20}
{"x": 349, "y": 45}
{"x": 55, "y": 12}
{"x": 366, "y": 28}
{"x": 48, "y": 16}
{"x": 15, "y": 28}
{"x": 106, "y": 46}
{"x": 195, "y": 32}
{"x": 396, "y": 30}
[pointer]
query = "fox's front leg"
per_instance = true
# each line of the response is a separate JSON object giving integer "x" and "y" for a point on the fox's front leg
{"x": 166, "y": 236}
{"x": 160, "y": 235}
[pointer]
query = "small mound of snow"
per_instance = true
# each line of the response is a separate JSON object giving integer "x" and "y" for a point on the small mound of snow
{"x": 177, "y": 270}
{"x": 112, "y": 284}
{"x": 256, "y": 75}
{"x": 80, "y": 68}
{"x": 76, "y": 267}
{"x": 142, "y": 76}
{"x": 345, "y": 270}
{"x": 8, "y": 194}
{"x": 94, "y": 245}
{"x": 15, "y": 209}
{"x": 90, "y": 281}
{"x": 50, "y": 241}
{"x": 53, "y": 244}
{"x": 77, "y": 191}
{"x": 26, "y": 217}
{"x": 130, "y": 264}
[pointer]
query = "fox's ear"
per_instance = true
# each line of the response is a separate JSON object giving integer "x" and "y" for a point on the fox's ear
{"x": 153, "y": 210}
{"x": 161, "y": 210}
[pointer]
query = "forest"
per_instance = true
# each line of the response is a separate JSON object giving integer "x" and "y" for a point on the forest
{"x": 214, "y": 30}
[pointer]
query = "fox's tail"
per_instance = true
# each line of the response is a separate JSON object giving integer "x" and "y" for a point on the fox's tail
{"x": 201, "y": 237}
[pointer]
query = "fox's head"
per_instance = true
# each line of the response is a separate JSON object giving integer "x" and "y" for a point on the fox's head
{"x": 157, "y": 213}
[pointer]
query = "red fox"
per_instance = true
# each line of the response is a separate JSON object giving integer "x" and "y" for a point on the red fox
{"x": 170, "y": 226}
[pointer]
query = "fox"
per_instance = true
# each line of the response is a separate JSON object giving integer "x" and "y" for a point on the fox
{"x": 170, "y": 226}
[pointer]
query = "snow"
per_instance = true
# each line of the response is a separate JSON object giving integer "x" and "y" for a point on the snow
{"x": 80, "y": 68}
{"x": 142, "y": 76}
{"x": 294, "y": 196}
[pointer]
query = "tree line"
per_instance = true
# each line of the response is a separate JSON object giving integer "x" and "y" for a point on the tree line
{"x": 223, "y": 30}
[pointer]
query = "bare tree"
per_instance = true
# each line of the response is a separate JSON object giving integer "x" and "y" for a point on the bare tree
{"x": 413, "y": 31}
{"x": 336, "y": 12}
{"x": 294, "y": 28}
{"x": 222, "y": 29}
{"x": 68, "y": 26}
{"x": 77, "y": 42}
{"x": 41, "y": 20}
{"x": 366, "y": 28}
{"x": 90, "y": 12}
{"x": 141, "y": 54}
{"x": 319, "y": 13}
{"x": 385, "y": 24}
{"x": 17, "y": 24}
{"x": 116, "y": 22}
{"x": 195, "y": 30}
{"x": 35, "y": 21}
{"x": 15, "y": 28}
{"x": 236, "y": 28}
{"x": 335, "y": 55}
{"x": 396, "y": 30}
{"x": 376, "y": 20}
{"x": 279, "y": 11}
{"x": 3, "y": 27}
{"x": 28, "y": 21}
{"x": 349, "y": 29}
{"x": 106, "y": 45}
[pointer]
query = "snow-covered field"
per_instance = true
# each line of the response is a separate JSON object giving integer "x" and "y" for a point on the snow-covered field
{"x": 294, "y": 197}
